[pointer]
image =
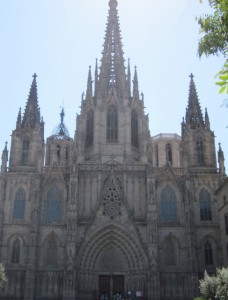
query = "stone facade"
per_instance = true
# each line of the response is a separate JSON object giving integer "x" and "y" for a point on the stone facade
{"x": 112, "y": 209}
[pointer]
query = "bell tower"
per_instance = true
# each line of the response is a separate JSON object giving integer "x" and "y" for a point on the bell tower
{"x": 112, "y": 122}
{"x": 27, "y": 144}
{"x": 198, "y": 141}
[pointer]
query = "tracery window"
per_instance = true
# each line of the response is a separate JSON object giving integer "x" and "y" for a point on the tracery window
{"x": 208, "y": 254}
{"x": 168, "y": 205}
{"x": 51, "y": 251}
{"x": 89, "y": 129}
{"x": 170, "y": 252}
{"x": 16, "y": 249}
{"x": 169, "y": 154}
{"x": 112, "y": 202}
{"x": 25, "y": 151}
{"x": 19, "y": 205}
{"x": 199, "y": 149}
{"x": 205, "y": 205}
{"x": 134, "y": 129}
{"x": 112, "y": 124}
{"x": 53, "y": 205}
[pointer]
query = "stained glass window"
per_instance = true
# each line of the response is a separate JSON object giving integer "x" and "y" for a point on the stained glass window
{"x": 16, "y": 249}
{"x": 89, "y": 129}
{"x": 53, "y": 205}
{"x": 205, "y": 205}
{"x": 19, "y": 205}
{"x": 134, "y": 129}
{"x": 112, "y": 124}
{"x": 168, "y": 205}
{"x": 208, "y": 253}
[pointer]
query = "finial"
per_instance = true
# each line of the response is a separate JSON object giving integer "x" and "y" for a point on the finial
{"x": 113, "y": 4}
{"x": 191, "y": 76}
{"x": 62, "y": 114}
{"x": 6, "y": 143}
{"x": 34, "y": 76}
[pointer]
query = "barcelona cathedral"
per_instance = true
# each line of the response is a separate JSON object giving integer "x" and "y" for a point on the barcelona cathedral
{"x": 112, "y": 209}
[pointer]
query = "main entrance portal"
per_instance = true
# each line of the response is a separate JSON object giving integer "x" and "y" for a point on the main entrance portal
{"x": 111, "y": 285}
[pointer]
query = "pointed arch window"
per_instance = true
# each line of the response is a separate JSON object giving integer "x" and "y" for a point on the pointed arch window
{"x": 168, "y": 205}
{"x": 205, "y": 205}
{"x": 16, "y": 249}
{"x": 112, "y": 124}
{"x": 53, "y": 206}
{"x": 226, "y": 223}
{"x": 170, "y": 252}
{"x": 134, "y": 129}
{"x": 89, "y": 128}
{"x": 208, "y": 254}
{"x": 169, "y": 154}
{"x": 25, "y": 151}
{"x": 19, "y": 205}
{"x": 51, "y": 251}
{"x": 200, "y": 151}
{"x": 157, "y": 155}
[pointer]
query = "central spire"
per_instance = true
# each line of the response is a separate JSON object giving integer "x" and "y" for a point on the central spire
{"x": 112, "y": 70}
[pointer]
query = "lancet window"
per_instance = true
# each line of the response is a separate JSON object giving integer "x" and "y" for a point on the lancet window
{"x": 199, "y": 149}
{"x": 134, "y": 129}
{"x": 112, "y": 124}
{"x": 53, "y": 206}
{"x": 226, "y": 223}
{"x": 89, "y": 129}
{"x": 205, "y": 205}
{"x": 169, "y": 154}
{"x": 19, "y": 205}
{"x": 168, "y": 205}
{"x": 25, "y": 151}
{"x": 16, "y": 249}
{"x": 208, "y": 254}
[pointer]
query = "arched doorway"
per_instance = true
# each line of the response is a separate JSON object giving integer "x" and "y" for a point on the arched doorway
{"x": 111, "y": 261}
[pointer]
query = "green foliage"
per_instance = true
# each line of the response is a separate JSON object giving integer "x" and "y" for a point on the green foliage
{"x": 214, "y": 28}
{"x": 223, "y": 78}
{"x": 3, "y": 278}
{"x": 215, "y": 287}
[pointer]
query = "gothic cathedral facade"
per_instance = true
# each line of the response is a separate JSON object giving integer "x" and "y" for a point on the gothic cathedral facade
{"x": 112, "y": 210}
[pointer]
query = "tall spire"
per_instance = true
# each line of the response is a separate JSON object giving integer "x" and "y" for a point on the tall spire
{"x": 194, "y": 115}
{"x": 136, "y": 85}
{"x": 207, "y": 120}
{"x": 112, "y": 70}
{"x": 89, "y": 91}
{"x": 32, "y": 112}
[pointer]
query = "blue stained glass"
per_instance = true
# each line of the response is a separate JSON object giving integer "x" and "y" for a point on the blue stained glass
{"x": 53, "y": 206}
{"x": 168, "y": 205}
{"x": 19, "y": 205}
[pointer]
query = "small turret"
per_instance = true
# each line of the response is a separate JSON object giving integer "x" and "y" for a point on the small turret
{"x": 4, "y": 159}
{"x": 207, "y": 120}
{"x": 136, "y": 85}
{"x": 89, "y": 91}
{"x": 221, "y": 161}
{"x": 18, "y": 125}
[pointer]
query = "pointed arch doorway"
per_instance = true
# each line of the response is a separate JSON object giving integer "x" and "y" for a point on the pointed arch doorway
{"x": 111, "y": 268}
{"x": 111, "y": 260}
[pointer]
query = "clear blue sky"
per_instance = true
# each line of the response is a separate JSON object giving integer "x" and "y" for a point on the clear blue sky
{"x": 59, "y": 39}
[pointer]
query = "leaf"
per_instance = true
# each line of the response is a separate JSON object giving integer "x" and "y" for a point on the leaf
{"x": 222, "y": 89}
